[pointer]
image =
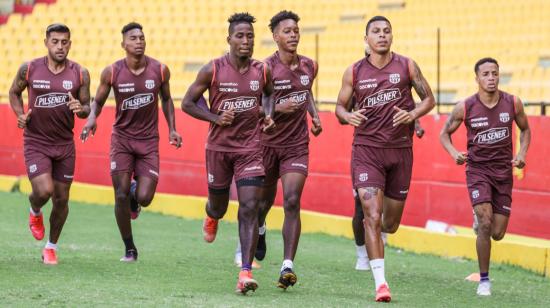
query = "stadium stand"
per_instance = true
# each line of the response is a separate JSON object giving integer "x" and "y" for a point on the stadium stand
{"x": 186, "y": 34}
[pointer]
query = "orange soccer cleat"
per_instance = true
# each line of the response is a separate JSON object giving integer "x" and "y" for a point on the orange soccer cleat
{"x": 209, "y": 229}
{"x": 36, "y": 224}
{"x": 246, "y": 283}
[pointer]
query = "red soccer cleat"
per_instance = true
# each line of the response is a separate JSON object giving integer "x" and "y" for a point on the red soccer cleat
{"x": 246, "y": 283}
{"x": 36, "y": 224}
{"x": 209, "y": 229}
{"x": 49, "y": 257}
{"x": 383, "y": 293}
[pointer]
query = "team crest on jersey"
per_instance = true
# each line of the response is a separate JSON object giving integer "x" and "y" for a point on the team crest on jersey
{"x": 504, "y": 117}
{"x": 254, "y": 85}
{"x": 149, "y": 84}
{"x": 395, "y": 78}
{"x": 67, "y": 84}
{"x": 304, "y": 80}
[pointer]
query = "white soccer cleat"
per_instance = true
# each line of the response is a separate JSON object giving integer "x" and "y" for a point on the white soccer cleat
{"x": 484, "y": 288}
{"x": 362, "y": 264}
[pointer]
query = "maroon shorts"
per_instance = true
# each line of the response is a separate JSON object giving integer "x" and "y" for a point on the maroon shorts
{"x": 222, "y": 166}
{"x": 280, "y": 161}
{"x": 58, "y": 160}
{"x": 387, "y": 169}
{"x": 140, "y": 157}
{"x": 483, "y": 188}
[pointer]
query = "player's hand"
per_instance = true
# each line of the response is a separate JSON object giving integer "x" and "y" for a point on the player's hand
{"x": 402, "y": 116}
{"x": 23, "y": 119}
{"x": 460, "y": 157}
{"x": 316, "y": 129}
{"x": 290, "y": 106}
{"x": 356, "y": 118}
{"x": 518, "y": 162}
{"x": 226, "y": 118}
{"x": 88, "y": 129}
{"x": 74, "y": 104}
{"x": 175, "y": 139}
{"x": 269, "y": 125}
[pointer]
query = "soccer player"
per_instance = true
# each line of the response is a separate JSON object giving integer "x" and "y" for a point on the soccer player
{"x": 286, "y": 151}
{"x": 137, "y": 81}
{"x": 488, "y": 116}
{"x": 58, "y": 89}
{"x": 237, "y": 86}
{"x": 384, "y": 125}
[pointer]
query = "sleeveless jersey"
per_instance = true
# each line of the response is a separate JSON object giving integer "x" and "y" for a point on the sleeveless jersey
{"x": 51, "y": 120}
{"x": 136, "y": 99}
{"x": 291, "y": 129}
{"x": 489, "y": 133}
{"x": 378, "y": 91}
{"x": 242, "y": 92}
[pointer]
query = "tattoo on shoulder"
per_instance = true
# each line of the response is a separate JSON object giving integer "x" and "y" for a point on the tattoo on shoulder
{"x": 22, "y": 76}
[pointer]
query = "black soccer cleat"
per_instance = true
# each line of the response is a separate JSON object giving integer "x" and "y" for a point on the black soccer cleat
{"x": 287, "y": 278}
{"x": 261, "y": 248}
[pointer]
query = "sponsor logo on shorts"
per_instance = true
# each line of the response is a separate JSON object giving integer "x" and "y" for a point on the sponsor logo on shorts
{"x": 254, "y": 85}
{"x": 504, "y": 117}
{"x": 492, "y": 135}
{"x": 33, "y": 168}
{"x": 210, "y": 178}
{"x": 68, "y": 176}
{"x": 299, "y": 165}
{"x": 252, "y": 168}
{"x": 475, "y": 194}
{"x": 153, "y": 172}
{"x": 113, "y": 165}
{"x": 363, "y": 177}
{"x": 395, "y": 78}
{"x": 506, "y": 207}
{"x": 304, "y": 80}
{"x": 381, "y": 98}
{"x": 298, "y": 97}
{"x": 51, "y": 100}
{"x": 239, "y": 104}
{"x": 67, "y": 84}
{"x": 149, "y": 84}
{"x": 40, "y": 84}
{"x": 137, "y": 101}
{"x": 404, "y": 192}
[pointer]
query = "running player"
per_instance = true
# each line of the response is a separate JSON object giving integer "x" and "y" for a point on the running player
{"x": 384, "y": 125}
{"x": 488, "y": 117}
{"x": 58, "y": 88}
{"x": 137, "y": 82}
{"x": 237, "y": 86}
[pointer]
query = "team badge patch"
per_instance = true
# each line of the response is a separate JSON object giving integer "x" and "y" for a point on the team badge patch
{"x": 304, "y": 80}
{"x": 475, "y": 194}
{"x": 363, "y": 177}
{"x": 395, "y": 78}
{"x": 67, "y": 84}
{"x": 149, "y": 84}
{"x": 504, "y": 117}
{"x": 254, "y": 85}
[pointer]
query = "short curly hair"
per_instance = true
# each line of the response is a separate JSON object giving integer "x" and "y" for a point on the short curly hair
{"x": 282, "y": 15}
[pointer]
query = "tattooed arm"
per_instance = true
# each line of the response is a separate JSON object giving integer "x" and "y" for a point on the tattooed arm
{"x": 423, "y": 90}
{"x": 453, "y": 122}
{"x": 16, "y": 96}
{"x": 84, "y": 96}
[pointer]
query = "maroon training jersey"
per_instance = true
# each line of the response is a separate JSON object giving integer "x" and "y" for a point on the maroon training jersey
{"x": 51, "y": 120}
{"x": 291, "y": 129}
{"x": 242, "y": 92}
{"x": 136, "y": 99}
{"x": 378, "y": 91}
{"x": 490, "y": 133}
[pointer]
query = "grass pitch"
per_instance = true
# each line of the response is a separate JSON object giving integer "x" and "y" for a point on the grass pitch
{"x": 176, "y": 268}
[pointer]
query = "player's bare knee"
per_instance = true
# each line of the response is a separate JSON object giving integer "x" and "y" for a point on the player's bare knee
{"x": 41, "y": 195}
{"x": 498, "y": 235}
{"x": 292, "y": 203}
{"x": 392, "y": 228}
{"x": 484, "y": 226}
{"x": 144, "y": 199}
{"x": 121, "y": 197}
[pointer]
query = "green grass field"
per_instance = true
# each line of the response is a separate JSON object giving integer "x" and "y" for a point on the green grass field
{"x": 176, "y": 268}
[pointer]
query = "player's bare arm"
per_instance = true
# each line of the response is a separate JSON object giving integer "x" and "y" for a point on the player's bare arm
{"x": 81, "y": 105}
{"x": 194, "y": 94}
{"x": 344, "y": 112}
{"x": 101, "y": 96}
{"x": 267, "y": 102}
{"x": 524, "y": 135}
{"x": 16, "y": 96}
{"x": 422, "y": 88}
{"x": 168, "y": 108}
{"x": 453, "y": 123}
{"x": 316, "y": 129}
